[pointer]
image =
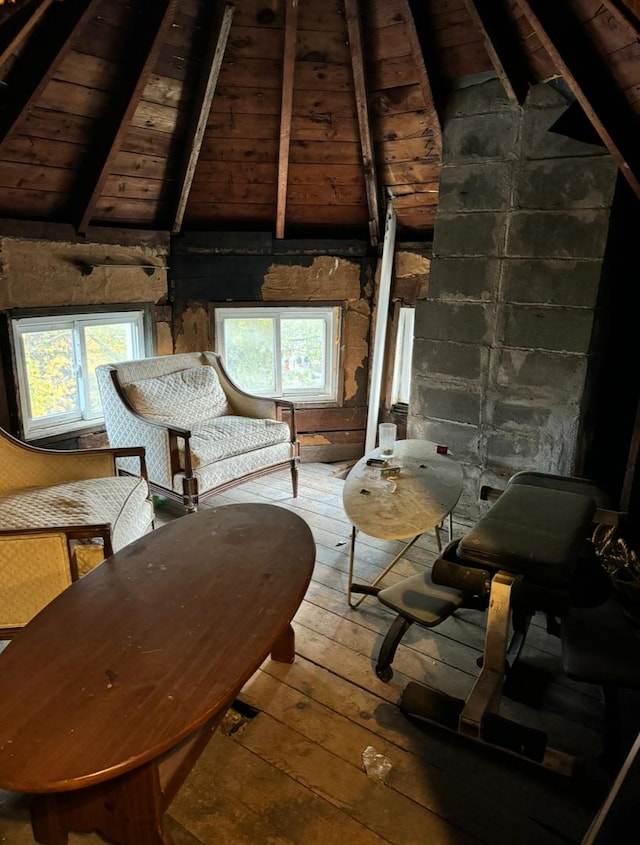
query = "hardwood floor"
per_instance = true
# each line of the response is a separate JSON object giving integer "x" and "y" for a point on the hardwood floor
{"x": 287, "y": 767}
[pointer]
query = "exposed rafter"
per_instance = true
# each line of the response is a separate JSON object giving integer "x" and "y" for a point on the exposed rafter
{"x": 366, "y": 141}
{"x": 129, "y": 103}
{"x": 31, "y": 76}
{"x": 588, "y": 80}
{"x": 497, "y": 45}
{"x": 201, "y": 108}
{"x": 23, "y": 33}
{"x": 274, "y": 120}
{"x": 288, "y": 67}
{"x": 425, "y": 86}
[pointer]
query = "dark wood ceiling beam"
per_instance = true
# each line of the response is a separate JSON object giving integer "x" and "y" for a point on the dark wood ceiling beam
{"x": 201, "y": 108}
{"x": 11, "y": 10}
{"x": 130, "y": 95}
{"x": 629, "y": 14}
{"x": 366, "y": 139}
{"x": 500, "y": 43}
{"x": 286, "y": 108}
{"x": 425, "y": 85}
{"x": 31, "y": 74}
{"x": 23, "y": 32}
{"x": 589, "y": 81}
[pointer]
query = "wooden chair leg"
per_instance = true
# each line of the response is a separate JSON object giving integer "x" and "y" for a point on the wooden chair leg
{"x": 190, "y": 494}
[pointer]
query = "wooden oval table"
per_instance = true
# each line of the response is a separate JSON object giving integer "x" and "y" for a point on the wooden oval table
{"x": 109, "y": 695}
{"x": 424, "y": 493}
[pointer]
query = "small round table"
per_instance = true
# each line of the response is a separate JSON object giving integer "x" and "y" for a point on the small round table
{"x": 424, "y": 492}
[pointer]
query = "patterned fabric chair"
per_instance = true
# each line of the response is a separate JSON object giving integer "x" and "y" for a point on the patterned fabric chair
{"x": 201, "y": 433}
{"x": 61, "y": 513}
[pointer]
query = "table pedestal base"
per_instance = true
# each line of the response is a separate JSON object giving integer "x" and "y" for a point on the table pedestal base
{"x": 129, "y": 809}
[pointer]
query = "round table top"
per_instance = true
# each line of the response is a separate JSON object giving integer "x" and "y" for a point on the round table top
{"x": 425, "y": 491}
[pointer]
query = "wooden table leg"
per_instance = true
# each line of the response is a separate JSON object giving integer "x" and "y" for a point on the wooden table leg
{"x": 284, "y": 650}
{"x": 127, "y": 810}
{"x": 46, "y": 822}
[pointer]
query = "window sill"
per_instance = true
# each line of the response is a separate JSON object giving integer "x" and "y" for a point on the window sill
{"x": 53, "y": 438}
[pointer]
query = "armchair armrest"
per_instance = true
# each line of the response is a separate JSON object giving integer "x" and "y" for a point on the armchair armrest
{"x": 138, "y": 452}
{"x": 248, "y": 404}
{"x": 36, "y": 564}
{"x": 284, "y": 405}
{"x": 243, "y": 404}
{"x": 71, "y": 533}
{"x": 33, "y": 466}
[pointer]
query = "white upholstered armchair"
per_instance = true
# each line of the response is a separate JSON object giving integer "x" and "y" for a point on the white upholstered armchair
{"x": 201, "y": 433}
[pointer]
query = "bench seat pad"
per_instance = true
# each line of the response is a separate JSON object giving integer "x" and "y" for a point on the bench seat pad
{"x": 120, "y": 501}
{"x": 531, "y": 530}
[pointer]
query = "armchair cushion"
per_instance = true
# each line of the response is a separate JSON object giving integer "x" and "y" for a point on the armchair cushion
{"x": 120, "y": 501}
{"x": 229, "y": 436}
{"x": 181, "y": 399}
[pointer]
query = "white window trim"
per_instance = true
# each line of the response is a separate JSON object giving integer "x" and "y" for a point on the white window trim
{"x": 331, "y": 314}
{"x": 76, "y": 419}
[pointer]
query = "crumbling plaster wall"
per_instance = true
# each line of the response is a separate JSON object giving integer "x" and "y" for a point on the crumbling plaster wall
{"x": 411, "y": 270}
{"x": 54, "y": 270}
{"x": 325, "y": 278}
{"x": 41, "y": 273}
{"x": 209, "y": 269}
{"x": 329, "y": 278}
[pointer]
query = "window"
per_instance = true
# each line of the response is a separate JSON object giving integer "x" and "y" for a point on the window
{"x": 401, "y": 384}
{"x": 288, "y": 352}
{"x": 56, "y": 358}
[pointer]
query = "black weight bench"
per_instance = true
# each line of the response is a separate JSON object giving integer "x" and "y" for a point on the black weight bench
{"x": 529, "y": 553}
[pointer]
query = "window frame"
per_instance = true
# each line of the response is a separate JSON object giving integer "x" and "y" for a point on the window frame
{"x": 400, "y": 391}
{"x": 331, "y": 312}
{"x": 77, "y": 321}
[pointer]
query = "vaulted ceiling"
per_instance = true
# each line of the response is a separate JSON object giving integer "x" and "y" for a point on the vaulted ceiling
{"x": 298, "y": 117}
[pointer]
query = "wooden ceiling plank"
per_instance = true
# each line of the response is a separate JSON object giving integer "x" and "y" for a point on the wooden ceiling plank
{"x": 425, "y": 85}
{"x": 581, "y": 96}
{"x": 14, "y": 111}
{"x": 20, "y": 36}
{"x": 492, "y": 49}
{"x": 288, "y": 69}
{"x": 201, "y": 108}
{"x": 366, "y": 138}
{"x": 610, "y": 8}
{"x": 124, "y": 123}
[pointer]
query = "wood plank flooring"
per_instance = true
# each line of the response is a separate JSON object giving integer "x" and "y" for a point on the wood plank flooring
{"x": 287, "y": 767}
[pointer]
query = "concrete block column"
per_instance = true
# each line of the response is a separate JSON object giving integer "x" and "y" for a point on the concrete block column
{"x": 503, "y": 338}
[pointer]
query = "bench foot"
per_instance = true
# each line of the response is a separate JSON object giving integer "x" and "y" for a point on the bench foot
{"x": 436, "y": 708}
{"x": 478, "y": 717}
